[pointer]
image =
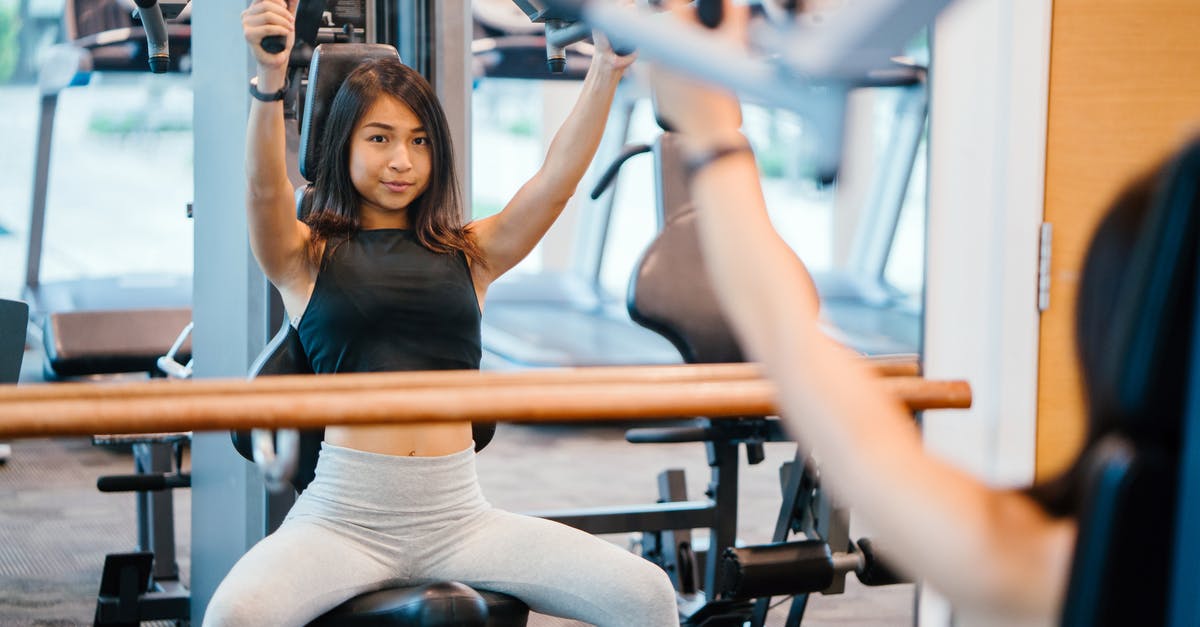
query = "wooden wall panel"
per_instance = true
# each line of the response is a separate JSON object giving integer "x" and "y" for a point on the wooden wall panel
{"x": 1124, "y": 91}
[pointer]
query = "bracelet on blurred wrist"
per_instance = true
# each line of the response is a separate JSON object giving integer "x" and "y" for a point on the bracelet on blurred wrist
{"x": 700, "y": 159}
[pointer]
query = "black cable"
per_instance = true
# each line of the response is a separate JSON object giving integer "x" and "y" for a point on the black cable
{"x": 781, "y": 602}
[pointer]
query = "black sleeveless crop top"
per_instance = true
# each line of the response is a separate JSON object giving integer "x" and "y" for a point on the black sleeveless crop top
{"x": 383, "y": 302}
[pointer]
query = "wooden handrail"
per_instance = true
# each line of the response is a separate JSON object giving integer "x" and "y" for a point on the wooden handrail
{"x": 900, "y": 366}
{"x": 564, "y": 401}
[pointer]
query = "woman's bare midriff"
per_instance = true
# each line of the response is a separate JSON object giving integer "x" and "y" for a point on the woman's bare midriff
{"x": 406, "y": 440}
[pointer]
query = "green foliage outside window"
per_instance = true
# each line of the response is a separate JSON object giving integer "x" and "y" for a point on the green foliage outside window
{"x": 10, "y": 27}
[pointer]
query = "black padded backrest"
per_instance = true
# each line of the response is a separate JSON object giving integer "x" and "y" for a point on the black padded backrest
{"x": 331, "y": 64}
{"x": 1122, "y": 555}
{"x": 1126, "y": 550}
{"x": 1184, "y": 609}
{"x": 14, "y": 321}
{"x": 670, "y": 292}
{"x": 1153, "y": 318}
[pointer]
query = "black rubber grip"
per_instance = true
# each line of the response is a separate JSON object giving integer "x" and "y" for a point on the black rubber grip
{"x": 143, "y": 482}
{"x": 668, "y": 434}
{"x": 274, "y": 44}
{"x": 606, "y": 179}
{"x": 782, "y": 568}
{"x": 874, "y": 571}
{"x": 710, "y": 12}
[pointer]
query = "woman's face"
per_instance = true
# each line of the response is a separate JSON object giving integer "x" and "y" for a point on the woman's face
{"x": 390, "y": 162}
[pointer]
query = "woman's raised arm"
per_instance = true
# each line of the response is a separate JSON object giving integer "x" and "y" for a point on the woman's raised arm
{"x": 507, "y": 237}
{"x": 988, "y": 548}
{"x": 278, "y": 239}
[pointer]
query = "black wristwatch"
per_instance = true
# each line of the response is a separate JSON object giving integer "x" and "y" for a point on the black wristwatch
{"x": 271, "y": 97}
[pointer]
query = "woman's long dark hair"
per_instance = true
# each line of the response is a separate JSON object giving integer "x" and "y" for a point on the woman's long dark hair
{"x": 1102, "y": 282}
{"x": 437, "y": 214}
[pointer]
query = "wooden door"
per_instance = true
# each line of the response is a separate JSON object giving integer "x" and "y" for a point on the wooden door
{"x": 1124, "y": 91}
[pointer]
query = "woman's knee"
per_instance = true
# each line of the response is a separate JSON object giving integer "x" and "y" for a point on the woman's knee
{"x": 232, "y": 607}
{"x": 646, "y": 586}
{"x": 624, "y": 591}
{"x": 656, "y": 584}
{"x": 254, "y": 606}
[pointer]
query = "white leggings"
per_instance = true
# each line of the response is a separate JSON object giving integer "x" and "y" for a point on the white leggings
{"x": 370, "y": 521}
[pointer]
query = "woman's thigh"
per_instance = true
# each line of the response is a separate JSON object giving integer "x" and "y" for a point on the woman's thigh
{"x": 558, "y": 570}
{"x": 292, "y": 576}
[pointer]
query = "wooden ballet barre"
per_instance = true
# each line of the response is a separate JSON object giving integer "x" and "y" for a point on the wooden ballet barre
{"x": 517, "y": 402}
{"x": 888, "y": 366}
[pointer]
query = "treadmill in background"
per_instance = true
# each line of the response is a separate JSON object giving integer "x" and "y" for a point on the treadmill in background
{"x": 97, "y": 326}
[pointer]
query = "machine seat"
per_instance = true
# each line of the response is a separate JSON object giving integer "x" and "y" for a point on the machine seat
{"x": 82, "y": 343}
{"x": 441, "y": 604}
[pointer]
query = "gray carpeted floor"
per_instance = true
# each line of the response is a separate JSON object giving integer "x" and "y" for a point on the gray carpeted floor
{"x": 55, "y": 527}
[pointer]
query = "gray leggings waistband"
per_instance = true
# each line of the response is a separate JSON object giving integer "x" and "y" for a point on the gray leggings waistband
{"x": 396, "y": 483}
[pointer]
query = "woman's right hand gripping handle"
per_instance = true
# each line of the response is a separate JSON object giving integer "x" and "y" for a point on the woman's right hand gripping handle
{"x": 270, "y": 29}
{"x": 277, "y": 238}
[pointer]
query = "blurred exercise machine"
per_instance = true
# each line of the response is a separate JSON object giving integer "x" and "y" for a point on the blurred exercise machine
{"x": 1135, "y": 555}
{"x": 98, "y": 327}
{"x": 721, "y": 584}
{"x": 101, "y": 326}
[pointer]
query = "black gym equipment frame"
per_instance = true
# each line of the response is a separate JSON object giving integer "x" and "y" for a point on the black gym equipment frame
{"x": 144, "y": 584}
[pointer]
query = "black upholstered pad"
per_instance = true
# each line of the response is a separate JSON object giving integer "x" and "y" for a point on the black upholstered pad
{"x": 1145, "y": 396}
{"x": 80, "y": 343}
{"x": 14, "y": 317}
{"x": 442, "y": 604}
{"x": 331, "y": 64}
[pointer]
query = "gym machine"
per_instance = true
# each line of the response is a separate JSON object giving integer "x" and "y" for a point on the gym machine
{"x": 805, "y": 65}
{"x": 723, "y": 584}
{"x": 718, "y": 584}
{"x": 417, "y": 60}
{"x": 144, "y": 584}
{"x": 698, "y": 574}
{"x": 97, "y": 327}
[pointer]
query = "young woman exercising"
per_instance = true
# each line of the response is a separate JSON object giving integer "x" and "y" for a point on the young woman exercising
{"x": 385, "y": 275}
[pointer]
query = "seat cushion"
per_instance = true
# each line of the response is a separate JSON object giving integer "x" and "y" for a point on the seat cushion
{"x": 80, "y": 343}
{"x": 431, "y": 605}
